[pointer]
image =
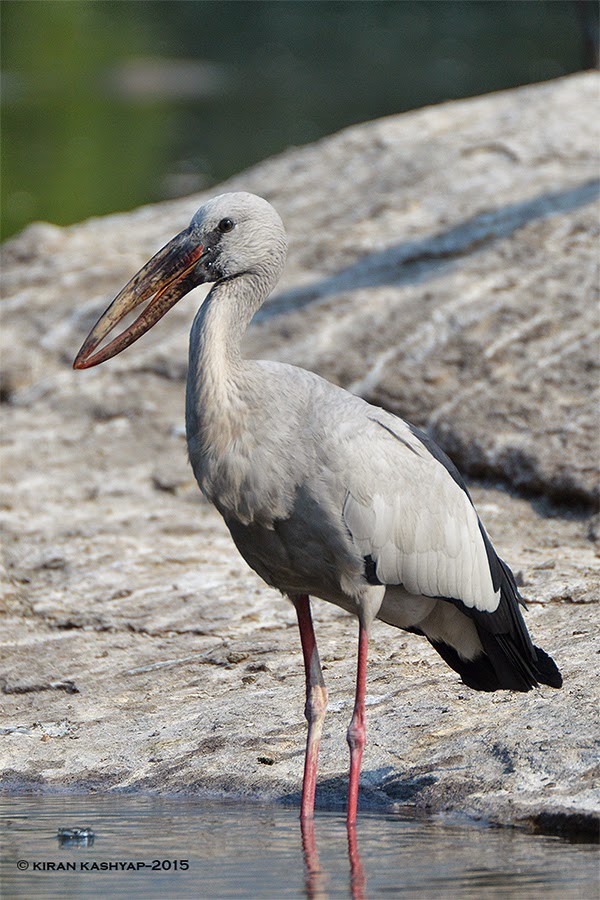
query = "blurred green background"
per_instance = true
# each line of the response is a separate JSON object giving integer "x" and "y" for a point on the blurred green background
{"x": 108, "y": 104}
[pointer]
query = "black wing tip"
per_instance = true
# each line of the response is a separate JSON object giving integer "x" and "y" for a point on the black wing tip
{"x": 489, "y": 673}
{"x": 546, "y": 670}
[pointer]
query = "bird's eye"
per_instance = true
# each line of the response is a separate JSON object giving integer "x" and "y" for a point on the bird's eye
{"x": 226, "y": 225}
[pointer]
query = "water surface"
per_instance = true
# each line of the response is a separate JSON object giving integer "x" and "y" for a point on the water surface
{"x": 200, "y": 849}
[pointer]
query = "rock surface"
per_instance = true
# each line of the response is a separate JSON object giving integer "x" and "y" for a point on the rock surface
{"x": 443, "y": 263}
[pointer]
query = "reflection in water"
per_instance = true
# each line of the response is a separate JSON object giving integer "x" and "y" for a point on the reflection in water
{"x": 452, "y": 861}
{"x": 358, "y": 879}
{"x": 315, "y": 879}
{"x": 233, "y": 849}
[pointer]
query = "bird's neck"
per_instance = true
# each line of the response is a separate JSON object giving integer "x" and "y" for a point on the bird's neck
{"x": 216, "y": 387}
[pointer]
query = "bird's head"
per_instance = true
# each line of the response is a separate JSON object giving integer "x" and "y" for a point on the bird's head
{"x": 230, "y": 236}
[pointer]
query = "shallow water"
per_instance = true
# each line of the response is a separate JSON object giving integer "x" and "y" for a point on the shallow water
{"x": 192, "y": 848}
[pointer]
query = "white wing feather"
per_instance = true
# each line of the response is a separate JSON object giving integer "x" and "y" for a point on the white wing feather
{"x": 415, "y": 522}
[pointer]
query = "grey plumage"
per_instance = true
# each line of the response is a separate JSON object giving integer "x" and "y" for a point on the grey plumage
{"x": 311, "y": 480}
{"x": 324, "y": 494}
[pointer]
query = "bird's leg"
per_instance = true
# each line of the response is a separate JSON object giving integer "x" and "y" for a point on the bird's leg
{"x": 316, "y": 704}
{"x": 357, "y": 735}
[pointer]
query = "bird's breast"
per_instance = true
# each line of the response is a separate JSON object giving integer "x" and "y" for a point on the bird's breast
{"x": 245, "y": 478}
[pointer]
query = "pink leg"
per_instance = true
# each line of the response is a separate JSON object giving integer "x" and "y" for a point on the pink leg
{"x": 316, "y": 704}
{"x": 357, "y": 735}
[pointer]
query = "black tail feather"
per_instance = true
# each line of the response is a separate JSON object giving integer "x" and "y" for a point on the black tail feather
{"x": 512, "y": 661}
{"x": 478, "y": 674}
{"x": 518, "y": 664}
{"x": 546, "y": 669}
{"x": 501, "y": 666}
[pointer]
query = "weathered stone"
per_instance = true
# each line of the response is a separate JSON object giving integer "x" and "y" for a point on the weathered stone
{"x": 442, "y": 263}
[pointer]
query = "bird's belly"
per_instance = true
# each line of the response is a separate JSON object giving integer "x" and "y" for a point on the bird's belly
{"x": 293, "y": 559}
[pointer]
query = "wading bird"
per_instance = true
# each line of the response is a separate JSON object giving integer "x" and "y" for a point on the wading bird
{"x": 324, "y": 494}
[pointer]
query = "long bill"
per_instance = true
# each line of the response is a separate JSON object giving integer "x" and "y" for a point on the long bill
{"x": 168, "y": 276}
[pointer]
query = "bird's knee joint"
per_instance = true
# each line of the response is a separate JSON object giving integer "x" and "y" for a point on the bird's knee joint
{"x": 356, "y": 736}
{"x": 316, "y": 704}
